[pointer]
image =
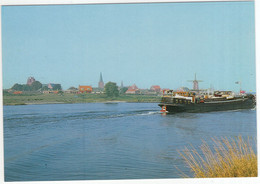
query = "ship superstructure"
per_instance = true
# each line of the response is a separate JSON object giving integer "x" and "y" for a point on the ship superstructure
{"x": 205, "y": 100}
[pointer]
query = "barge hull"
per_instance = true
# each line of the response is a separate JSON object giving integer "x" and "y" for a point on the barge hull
{"x": 246, "y": 103}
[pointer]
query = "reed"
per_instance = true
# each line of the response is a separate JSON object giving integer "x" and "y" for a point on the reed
{"x": 227, "y": 158}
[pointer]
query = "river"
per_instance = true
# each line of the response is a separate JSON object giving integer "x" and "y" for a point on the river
{"x": 109, "y": 141}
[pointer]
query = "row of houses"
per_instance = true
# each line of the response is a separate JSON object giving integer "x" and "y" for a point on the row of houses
{"x": 82, "y": 89}
{"x": 155, "y": 89}
{"x": 51, "y": 88}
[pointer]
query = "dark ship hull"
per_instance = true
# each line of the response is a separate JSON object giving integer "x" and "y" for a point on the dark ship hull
{"x": 246, "y": 102}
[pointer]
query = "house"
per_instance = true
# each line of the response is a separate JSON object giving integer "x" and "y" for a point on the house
{"x": 155, "y": 88}
{"x": 17, "y": 92}
{"x": 85, "y": 89}
{"x": 50, "y": 92}
{"x": 183, "y": 89}
{"x": 97, "y": 90}
{"x": 132, "y": 89}
{"x": 71, "y": 90}
{"x": 51, "y": 85}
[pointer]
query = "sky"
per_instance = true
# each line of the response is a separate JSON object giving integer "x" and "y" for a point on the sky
{"x": 144, "y": 44}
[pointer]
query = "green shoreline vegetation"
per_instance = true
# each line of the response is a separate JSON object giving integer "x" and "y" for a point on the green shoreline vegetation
{"x": 26, "y": 99}
{"x": 228, "y": 158}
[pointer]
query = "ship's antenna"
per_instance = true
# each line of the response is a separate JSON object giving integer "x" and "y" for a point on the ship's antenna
{"x": 240, "y": 88}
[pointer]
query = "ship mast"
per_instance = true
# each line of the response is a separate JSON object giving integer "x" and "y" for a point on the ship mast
{"x": 240, "y": 88}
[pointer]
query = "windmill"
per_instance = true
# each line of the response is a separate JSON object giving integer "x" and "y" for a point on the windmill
{"x": 195, "y": 83}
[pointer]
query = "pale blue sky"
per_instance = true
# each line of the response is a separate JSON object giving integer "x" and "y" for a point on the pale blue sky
{"x": 146, "y": 44}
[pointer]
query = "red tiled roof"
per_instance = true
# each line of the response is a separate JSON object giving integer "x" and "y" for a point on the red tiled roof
{"x": 133, "y": 87}
{"x": 131, "y": 90}
{"x": 156, "y": 87}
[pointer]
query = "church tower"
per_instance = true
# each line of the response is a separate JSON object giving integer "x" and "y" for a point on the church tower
{"x": 30, "y": 80}
{"x": 101, "y": 83}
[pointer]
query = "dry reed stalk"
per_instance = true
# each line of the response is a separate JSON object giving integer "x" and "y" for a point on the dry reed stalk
{"x": 234, "y": 158}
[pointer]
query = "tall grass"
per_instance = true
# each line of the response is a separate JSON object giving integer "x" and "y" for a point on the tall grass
{"x": 227, "y": 158}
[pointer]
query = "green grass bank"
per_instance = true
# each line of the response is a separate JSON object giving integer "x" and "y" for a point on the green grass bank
{"x": 25, "y": 99}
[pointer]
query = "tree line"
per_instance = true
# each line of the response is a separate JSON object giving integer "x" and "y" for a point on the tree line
{"x": 111, "y": 89}
{"x": 35, "y": 86}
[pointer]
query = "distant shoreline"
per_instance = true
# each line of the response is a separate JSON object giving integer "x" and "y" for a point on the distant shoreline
{"x": 45, "y": 103}
{"x": 38, "y": 99}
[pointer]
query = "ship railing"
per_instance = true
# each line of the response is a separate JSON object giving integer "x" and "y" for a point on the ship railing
{"x": 183, "y": 97}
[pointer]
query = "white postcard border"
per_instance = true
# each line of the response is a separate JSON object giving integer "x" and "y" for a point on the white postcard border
{"x": 143, "y": 181}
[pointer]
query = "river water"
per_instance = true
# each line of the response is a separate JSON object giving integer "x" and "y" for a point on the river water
{"x": 109, "y": 141}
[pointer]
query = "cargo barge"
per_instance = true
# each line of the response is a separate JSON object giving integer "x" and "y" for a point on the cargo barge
{"x": 194, "y": 101}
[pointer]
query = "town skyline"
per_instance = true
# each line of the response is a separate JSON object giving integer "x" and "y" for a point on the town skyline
{"x": 131, "y": 89}
{"x": 144, "y": 44}
{"x": 100, "y": 83}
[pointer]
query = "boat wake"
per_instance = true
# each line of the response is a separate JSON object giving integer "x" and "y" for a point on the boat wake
{"x": 150, "y": 113}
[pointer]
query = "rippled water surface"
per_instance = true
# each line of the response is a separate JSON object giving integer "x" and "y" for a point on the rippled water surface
{"x": 108, "y": 141}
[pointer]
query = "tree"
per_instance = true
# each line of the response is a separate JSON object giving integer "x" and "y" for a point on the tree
{"x": 111, "y": 89}
{"x": 5, "y": 92}
{"x": 26, "y": 87}
{"x": 73, "y": 88}
{"x": 45, "y": 88}
{"x": 123, "y": 90}
{"x": 17, "y": 87}
{"x": 56, "y": 87}
{"x": 36, "y": 85}
{"x": 60, "y": 93}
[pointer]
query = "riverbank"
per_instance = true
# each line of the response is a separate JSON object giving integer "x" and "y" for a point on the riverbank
{"x": 25, "y": 99}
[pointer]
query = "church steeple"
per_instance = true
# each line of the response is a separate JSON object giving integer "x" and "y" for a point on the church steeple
{"x": 101, "y": 83}
{"x": 101, "y": 78}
